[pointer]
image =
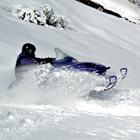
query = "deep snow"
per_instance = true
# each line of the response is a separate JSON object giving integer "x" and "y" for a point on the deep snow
{"x": 61, "y": 110}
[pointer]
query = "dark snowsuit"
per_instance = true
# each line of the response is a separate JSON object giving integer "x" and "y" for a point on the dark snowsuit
{"x": 24, "y": 61}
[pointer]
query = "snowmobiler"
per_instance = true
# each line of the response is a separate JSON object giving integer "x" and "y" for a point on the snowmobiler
{"x": 65, "y": 62}
{"x": 27, "y": 58}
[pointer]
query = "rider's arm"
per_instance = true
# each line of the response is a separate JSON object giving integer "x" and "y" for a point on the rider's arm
{"x": 45, "y": 60}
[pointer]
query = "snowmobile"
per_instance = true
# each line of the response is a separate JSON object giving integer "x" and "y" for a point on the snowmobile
{"x": 65, "y": 61}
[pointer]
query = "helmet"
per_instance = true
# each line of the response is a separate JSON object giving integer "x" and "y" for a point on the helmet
{"x": 29, "y": 49}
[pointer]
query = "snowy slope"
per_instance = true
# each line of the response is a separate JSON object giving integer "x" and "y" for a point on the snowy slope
{"x": 124, "y": 8}
{"x": 59, "y": 112}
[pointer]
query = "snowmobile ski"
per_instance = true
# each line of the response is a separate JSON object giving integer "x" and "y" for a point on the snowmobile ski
{"x": 123, "y": 72}
{"x": 112, "y": 82}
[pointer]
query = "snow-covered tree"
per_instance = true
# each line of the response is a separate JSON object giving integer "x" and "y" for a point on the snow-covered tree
{"x": 41, "y": 16}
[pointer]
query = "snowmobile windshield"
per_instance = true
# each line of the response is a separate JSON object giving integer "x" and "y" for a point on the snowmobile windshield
{"x": 60, "y": 55}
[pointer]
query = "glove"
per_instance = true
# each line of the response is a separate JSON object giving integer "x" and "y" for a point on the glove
{"x": 49, "y": 60}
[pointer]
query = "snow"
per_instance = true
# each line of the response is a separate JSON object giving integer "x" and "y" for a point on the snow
{"x": 124, "y": 8}
{"x": 62, "y": 110}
